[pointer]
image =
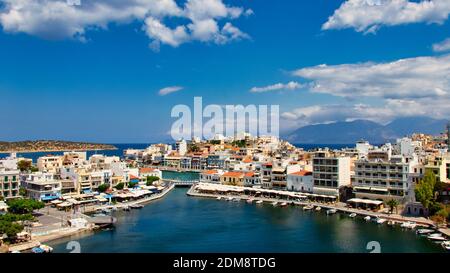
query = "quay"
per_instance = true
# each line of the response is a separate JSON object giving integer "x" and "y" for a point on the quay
{"x": 340, "y": 207}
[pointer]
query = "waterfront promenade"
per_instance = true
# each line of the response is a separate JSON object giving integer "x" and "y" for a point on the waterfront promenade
{"x": 340, "y": 207}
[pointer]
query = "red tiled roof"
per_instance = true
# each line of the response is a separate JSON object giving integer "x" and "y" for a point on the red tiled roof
{"x": 233, "y": 174}
{"x": 210, "y": 172}
{"x": 133, "y": 177}
{"x": 146, "y": 170}
{"x": 302, "y": 173}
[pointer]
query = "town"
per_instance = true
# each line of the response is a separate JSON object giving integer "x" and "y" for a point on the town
{"x": 406, "y": 182}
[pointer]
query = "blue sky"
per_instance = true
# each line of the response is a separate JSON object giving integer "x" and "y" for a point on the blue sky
{"x": 68, "y": 77}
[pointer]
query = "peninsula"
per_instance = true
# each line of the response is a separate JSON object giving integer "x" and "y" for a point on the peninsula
{"x": 51, "y": 146}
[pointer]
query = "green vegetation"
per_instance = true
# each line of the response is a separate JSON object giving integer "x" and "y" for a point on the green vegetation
{"x": 22, "y": 191}
{"x": 10, "y": 229}
{"x": 120, "y": 186}
{"x": 24, "y": 206}
{"x": 131, "y": 184}
{"x": 103, "y": 187}
{"x": 393, "y": 204}
{"x": 425, "y": 189}
{"x": 151, "y": 179}
{"x": 11, "y": 217}
{"x": 24, "y": 165}
{"x": 214, "y": 142}
{"x": 194, "y": 148}
{"x": 240, "y": 143}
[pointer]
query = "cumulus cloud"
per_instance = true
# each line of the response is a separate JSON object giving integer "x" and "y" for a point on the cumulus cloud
{"x": 369, "y": 15}
{"x": 278, "y": 86}
{"x": 58, "y": 19}
{"x": 169, "y": 90}
{"x": 406, "y": 78}
{"x": 442, "y": 46}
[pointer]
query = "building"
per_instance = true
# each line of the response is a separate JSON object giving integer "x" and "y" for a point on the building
{"x": 181, "y": 147}
{"x": 41, "y": 186}
{"x": 211, "y": 176}
{"x": 330, "y": 172}
{"x": 9, "y": 183}
{"x": 50, "y": 163}
{"x": 384, "y": 179}
{"x": 146, "y": 172}
{"x": 233, "y": 178}
{"x": 300, "y": 181}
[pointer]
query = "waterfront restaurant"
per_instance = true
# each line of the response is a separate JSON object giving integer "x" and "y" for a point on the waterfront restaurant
{"x": 365, "y": 204}
{"x": 210, "y": 188}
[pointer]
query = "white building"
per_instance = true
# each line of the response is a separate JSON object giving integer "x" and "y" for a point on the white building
{"x": 300, "y": 181}
{"x": 181, "y": 147}
{"x": 9, "y": 183}
{"x": 363, "y": 147}
{"x": 330, "y": 173}
{"x": 41, "y": 186}
{"x": 50, "y": 163}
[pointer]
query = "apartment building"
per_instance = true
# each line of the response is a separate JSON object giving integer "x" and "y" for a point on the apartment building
{"x": 383, "y": 179}
{"x": 9, "y": 183}
{"x": 301, "y": 181}
{"x": 330, "y": 172}
{"x": 233, "y": 178}
{"x": 50, "y": 163}
{"x": 211, "y": 176}
{"x": 41, "y": 186}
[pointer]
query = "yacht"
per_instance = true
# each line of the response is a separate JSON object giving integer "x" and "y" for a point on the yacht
{"x": 352, "y": 215}
{"x": 436, "y": 237}
{"x": 424, "y": 231}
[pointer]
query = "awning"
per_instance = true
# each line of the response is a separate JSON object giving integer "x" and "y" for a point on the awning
{"x": 365, "y": 201}
{"x": 55, "y": 202}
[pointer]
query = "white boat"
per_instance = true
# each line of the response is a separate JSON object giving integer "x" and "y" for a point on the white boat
{"x": 275, "y": 204}
{"x": 367, "y": 218}
{"x": 230, "y": 199}
{"x": 436, "y": 237}
{"x": 410, "y": 225}
{"x": 318, "y": 208}
{"x": 284, "y": 204}
{"x": 381, "y": 221}
{"x": 249, "y": 201}
{"x": 446, "y": 245}
{"x": 391, "y": 223}
{"x": 424, "y": 231}
{"x": 352, "y": 215}
{"x": 331, "y": 211}
{"x": 259, "y": 202}
{"x": 236, "y": 200}
{"x": 219, "y": 198}
{"x": 308, "y": 207}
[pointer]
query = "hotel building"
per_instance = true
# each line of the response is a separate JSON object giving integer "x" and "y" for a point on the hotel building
{"x": 330, "y": 172}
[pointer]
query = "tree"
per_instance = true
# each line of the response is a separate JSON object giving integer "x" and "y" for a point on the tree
{"x": 22, "y": 191}
{"x": 425, "y": 189}
{"x": 393, "y": 204}
{"x": 10, "y": 229}
{"x": 24, "y": 165}
{"x": 120, "y": 186}
{"x": 24, "y": 206}
{"x": 151, "y": 179}
{"x": 103, "y": 187}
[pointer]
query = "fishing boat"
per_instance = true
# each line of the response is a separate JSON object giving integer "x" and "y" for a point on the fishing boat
{"x": 367, "y": 218}
{"x": 259, "y": 202}
{"x": 424, "y": 231}
{"x": 284, "y": 204}
{"x": 275, "y": 204}
{"x": 308, "y": 207}
{"x": 331, "y": 211}
{"x": 446, "y": 245}
{"x": 436, "y": 237}
{"x": 136, "y": 206}
{"x": 352, "y": 215}
{"x": 318, "y": 208}
{"x": 381, "y": 221}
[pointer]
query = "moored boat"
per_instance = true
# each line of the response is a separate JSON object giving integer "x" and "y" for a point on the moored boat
{"x": 236, "y": 200}
{"x": 126, "y": 208}
{"x": 284, "y": 204}
{"x": 446, "y": 245}
{"x": 318, "y": 208}
{"x": 367, "y": 218}
{"x": 381, "y": 221}
{"x": 230, "y": 199}
{"x": 219, "y": 198}
{"x": 249, "y": 201}
{"x": 136, "y": 206}
{"x": 331, "y": 211}
{"x": 275, "y": 204}
{"x": 410, "y": 225}
{"x": 309, "y": 207}
{"x": 259, "y": 202}
{"x": 436, "y": 237}
{"x": 352, "y": 215}
{"x": 424, "y": 231}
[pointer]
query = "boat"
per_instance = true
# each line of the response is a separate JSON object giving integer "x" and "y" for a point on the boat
{"x": 249, "y": 201}
{"x": 380, "y": 221}
{"x": 136, "y": 206}
{"x": 219, "y": 198}
{"x": 331, "y": 211}
{"x": 310, "y": 207}
{"x": 126, "y": 208}
{"x": 236, "y": 200}
{"x": 284, "y": 204}
{"x": 275, "y": 204}
{"x": 106, "y": 210}
{"x": 436, "y": 237}
{"x": 391, "y": 223}
{"x": 352, "y": 215}
{"x": 318, "y": 208}
{"x": 410, "y": 225}
{"x": 446, "y": 245}
{"x": 42, "y": 249}
{"x": 367, "y": 218}
{"x": 424, "y": 231}
{"x": 230, "y": 199}
{"x": 259, "y": 202}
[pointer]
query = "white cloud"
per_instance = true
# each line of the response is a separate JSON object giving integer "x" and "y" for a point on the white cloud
{"x": 406, "y": 78}
{"x": 442, "y": 46}
{"x": 369, "y": 15}
{"x": 278, "y": 86}
{"x": 169, "y": 90}
{"x": 56, "y": 19}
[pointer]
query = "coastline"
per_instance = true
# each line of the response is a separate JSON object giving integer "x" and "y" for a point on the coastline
{"x": 59, "y": 150}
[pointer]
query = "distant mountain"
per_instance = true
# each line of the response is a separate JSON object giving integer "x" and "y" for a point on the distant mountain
{"x": 350, "y": 132}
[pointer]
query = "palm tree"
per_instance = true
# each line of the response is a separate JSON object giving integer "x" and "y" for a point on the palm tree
{"x": 393, "y": 204}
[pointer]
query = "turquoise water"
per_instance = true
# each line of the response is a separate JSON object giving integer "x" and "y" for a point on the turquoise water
{"x": 178, "y": 223}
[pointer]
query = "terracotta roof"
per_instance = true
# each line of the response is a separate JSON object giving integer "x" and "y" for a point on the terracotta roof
{"x": 302, "y": 173}
{"x": 146, "y": 170}
{"x": 247, "y": 160}
{"x": 210, "y": 172}
{"x": 249, "y": 174}
{"x": 133, "y": 177}
{"x": 233, "y": 174}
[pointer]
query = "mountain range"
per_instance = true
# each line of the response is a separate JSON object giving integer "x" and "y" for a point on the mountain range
{"x": 352, "y": 131}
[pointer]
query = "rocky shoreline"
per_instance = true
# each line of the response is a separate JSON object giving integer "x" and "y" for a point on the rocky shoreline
{"x": 51, "y": 146}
